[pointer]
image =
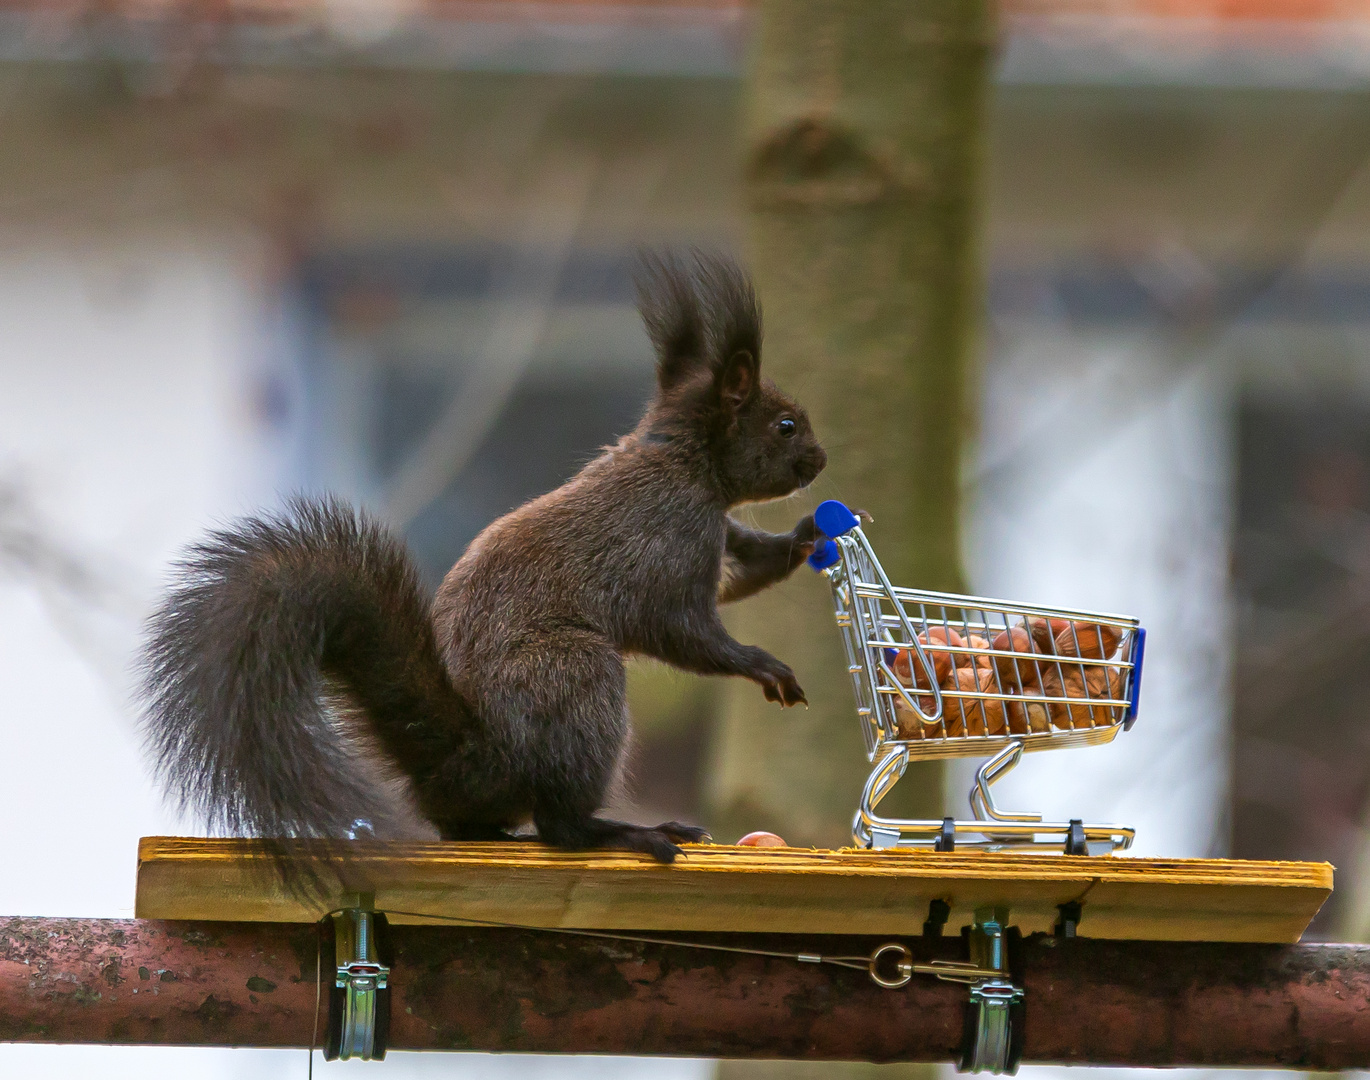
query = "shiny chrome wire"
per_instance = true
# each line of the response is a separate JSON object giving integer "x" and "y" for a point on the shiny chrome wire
{"x": 874, "y": 616}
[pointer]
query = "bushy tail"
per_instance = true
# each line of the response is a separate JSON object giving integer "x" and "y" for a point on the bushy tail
{"x": 263, "y": 617}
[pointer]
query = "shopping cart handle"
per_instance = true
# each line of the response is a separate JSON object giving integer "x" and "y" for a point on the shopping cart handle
{"x": 825, "y": 554}
{"x": 834, "y": 519}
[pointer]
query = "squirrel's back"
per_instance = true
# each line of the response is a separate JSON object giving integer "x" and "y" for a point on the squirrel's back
{"x": 622, "y": 535}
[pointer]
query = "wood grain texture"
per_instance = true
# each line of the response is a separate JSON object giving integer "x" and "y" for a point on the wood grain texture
{"x": 749, "y": 890}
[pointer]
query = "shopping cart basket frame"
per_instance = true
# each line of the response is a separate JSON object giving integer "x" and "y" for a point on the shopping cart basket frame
{"x": 875, "y": 624}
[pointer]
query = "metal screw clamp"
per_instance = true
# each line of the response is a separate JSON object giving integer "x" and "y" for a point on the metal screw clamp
{"x": 359, "y": 1003}
{"x": 993, "y": 1038}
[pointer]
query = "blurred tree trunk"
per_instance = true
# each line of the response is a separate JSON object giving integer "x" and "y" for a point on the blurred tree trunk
{"x": 864, "y": 141}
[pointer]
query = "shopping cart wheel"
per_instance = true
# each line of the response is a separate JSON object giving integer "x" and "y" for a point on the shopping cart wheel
{"x": 1075, "y": 839}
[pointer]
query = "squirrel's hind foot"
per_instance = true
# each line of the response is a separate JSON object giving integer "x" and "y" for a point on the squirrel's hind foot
{"x": 661, "y": 843}
{"x": 684, "y": 834}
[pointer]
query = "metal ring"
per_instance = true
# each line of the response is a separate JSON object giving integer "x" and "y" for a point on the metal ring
{"x": 904, "y": 966}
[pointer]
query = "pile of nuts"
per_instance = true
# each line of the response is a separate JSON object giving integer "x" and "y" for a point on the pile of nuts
{"x": 1038, "y": 672}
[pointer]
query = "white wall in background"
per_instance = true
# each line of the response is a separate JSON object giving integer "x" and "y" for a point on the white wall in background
{"x": 34, "y": 1062}
{"x": 127, "y": 379}
{"x": 1104, "y": 482}
{"x": 124, "y": 427}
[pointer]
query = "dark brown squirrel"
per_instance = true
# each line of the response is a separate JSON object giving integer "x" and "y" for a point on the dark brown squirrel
{"x": 503, "y": 700}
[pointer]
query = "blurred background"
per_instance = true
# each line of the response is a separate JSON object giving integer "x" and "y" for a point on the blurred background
{"x": 1078, "y": 292}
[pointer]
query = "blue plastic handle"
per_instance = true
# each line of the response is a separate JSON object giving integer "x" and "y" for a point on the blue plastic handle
{"x": 831, "y": 519}
{"x": 1137, "y": 653}
{"x": 834, "y": 519}
{"x": 824, "y": 555}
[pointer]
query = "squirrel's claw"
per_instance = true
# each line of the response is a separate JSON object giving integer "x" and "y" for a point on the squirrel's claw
{"x": 683, "y": 834}
{"x": 786, "y": 691}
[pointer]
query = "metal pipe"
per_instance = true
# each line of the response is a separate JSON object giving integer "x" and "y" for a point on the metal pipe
{"x": 456, "y": 988}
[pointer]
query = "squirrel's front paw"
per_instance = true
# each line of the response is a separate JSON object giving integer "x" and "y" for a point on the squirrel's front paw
{"x": 804, "y": 538}
{"x": 781, "y": 685}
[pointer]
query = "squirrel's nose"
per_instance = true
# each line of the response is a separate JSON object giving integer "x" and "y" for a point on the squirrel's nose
{"x": 811, "y": 464}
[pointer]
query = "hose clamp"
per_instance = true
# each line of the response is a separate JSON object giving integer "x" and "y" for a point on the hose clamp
{"x": 993, "y": 1040}
{"x": 359, "y": 1002}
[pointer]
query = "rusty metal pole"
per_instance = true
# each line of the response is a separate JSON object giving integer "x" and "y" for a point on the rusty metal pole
{"x": 1088, "y": 1002}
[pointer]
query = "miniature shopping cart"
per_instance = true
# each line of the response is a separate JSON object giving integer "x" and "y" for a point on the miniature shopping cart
{"x": 938, "y": 675}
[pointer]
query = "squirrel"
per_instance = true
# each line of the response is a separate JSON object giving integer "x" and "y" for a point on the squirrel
{"x": 502, "y": 700}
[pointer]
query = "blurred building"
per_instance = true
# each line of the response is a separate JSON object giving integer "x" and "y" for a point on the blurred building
{"x": 384, "y": 249}
{"x": 1180, "y": 196}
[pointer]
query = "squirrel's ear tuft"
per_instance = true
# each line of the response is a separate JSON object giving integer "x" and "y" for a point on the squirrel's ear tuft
{"x": 732, "y": 314}
{"x": 671, "y": 313}
{"x": 737, "y": 379}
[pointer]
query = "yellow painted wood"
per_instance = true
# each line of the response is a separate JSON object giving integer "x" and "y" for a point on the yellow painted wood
{"x": 721, "y": 888}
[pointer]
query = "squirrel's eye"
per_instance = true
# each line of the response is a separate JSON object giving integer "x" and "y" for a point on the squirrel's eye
{"x": 787, "y": 428}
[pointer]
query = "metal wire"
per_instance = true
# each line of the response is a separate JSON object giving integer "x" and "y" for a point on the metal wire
{"x": 947, "y": 970}
{"x": 318, "y": 995}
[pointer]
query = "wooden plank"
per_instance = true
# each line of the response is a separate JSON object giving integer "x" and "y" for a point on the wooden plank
{"x": 750, "y": 890}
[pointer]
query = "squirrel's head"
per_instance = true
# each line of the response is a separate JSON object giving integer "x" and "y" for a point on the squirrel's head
{"x": 706, "y": 325}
